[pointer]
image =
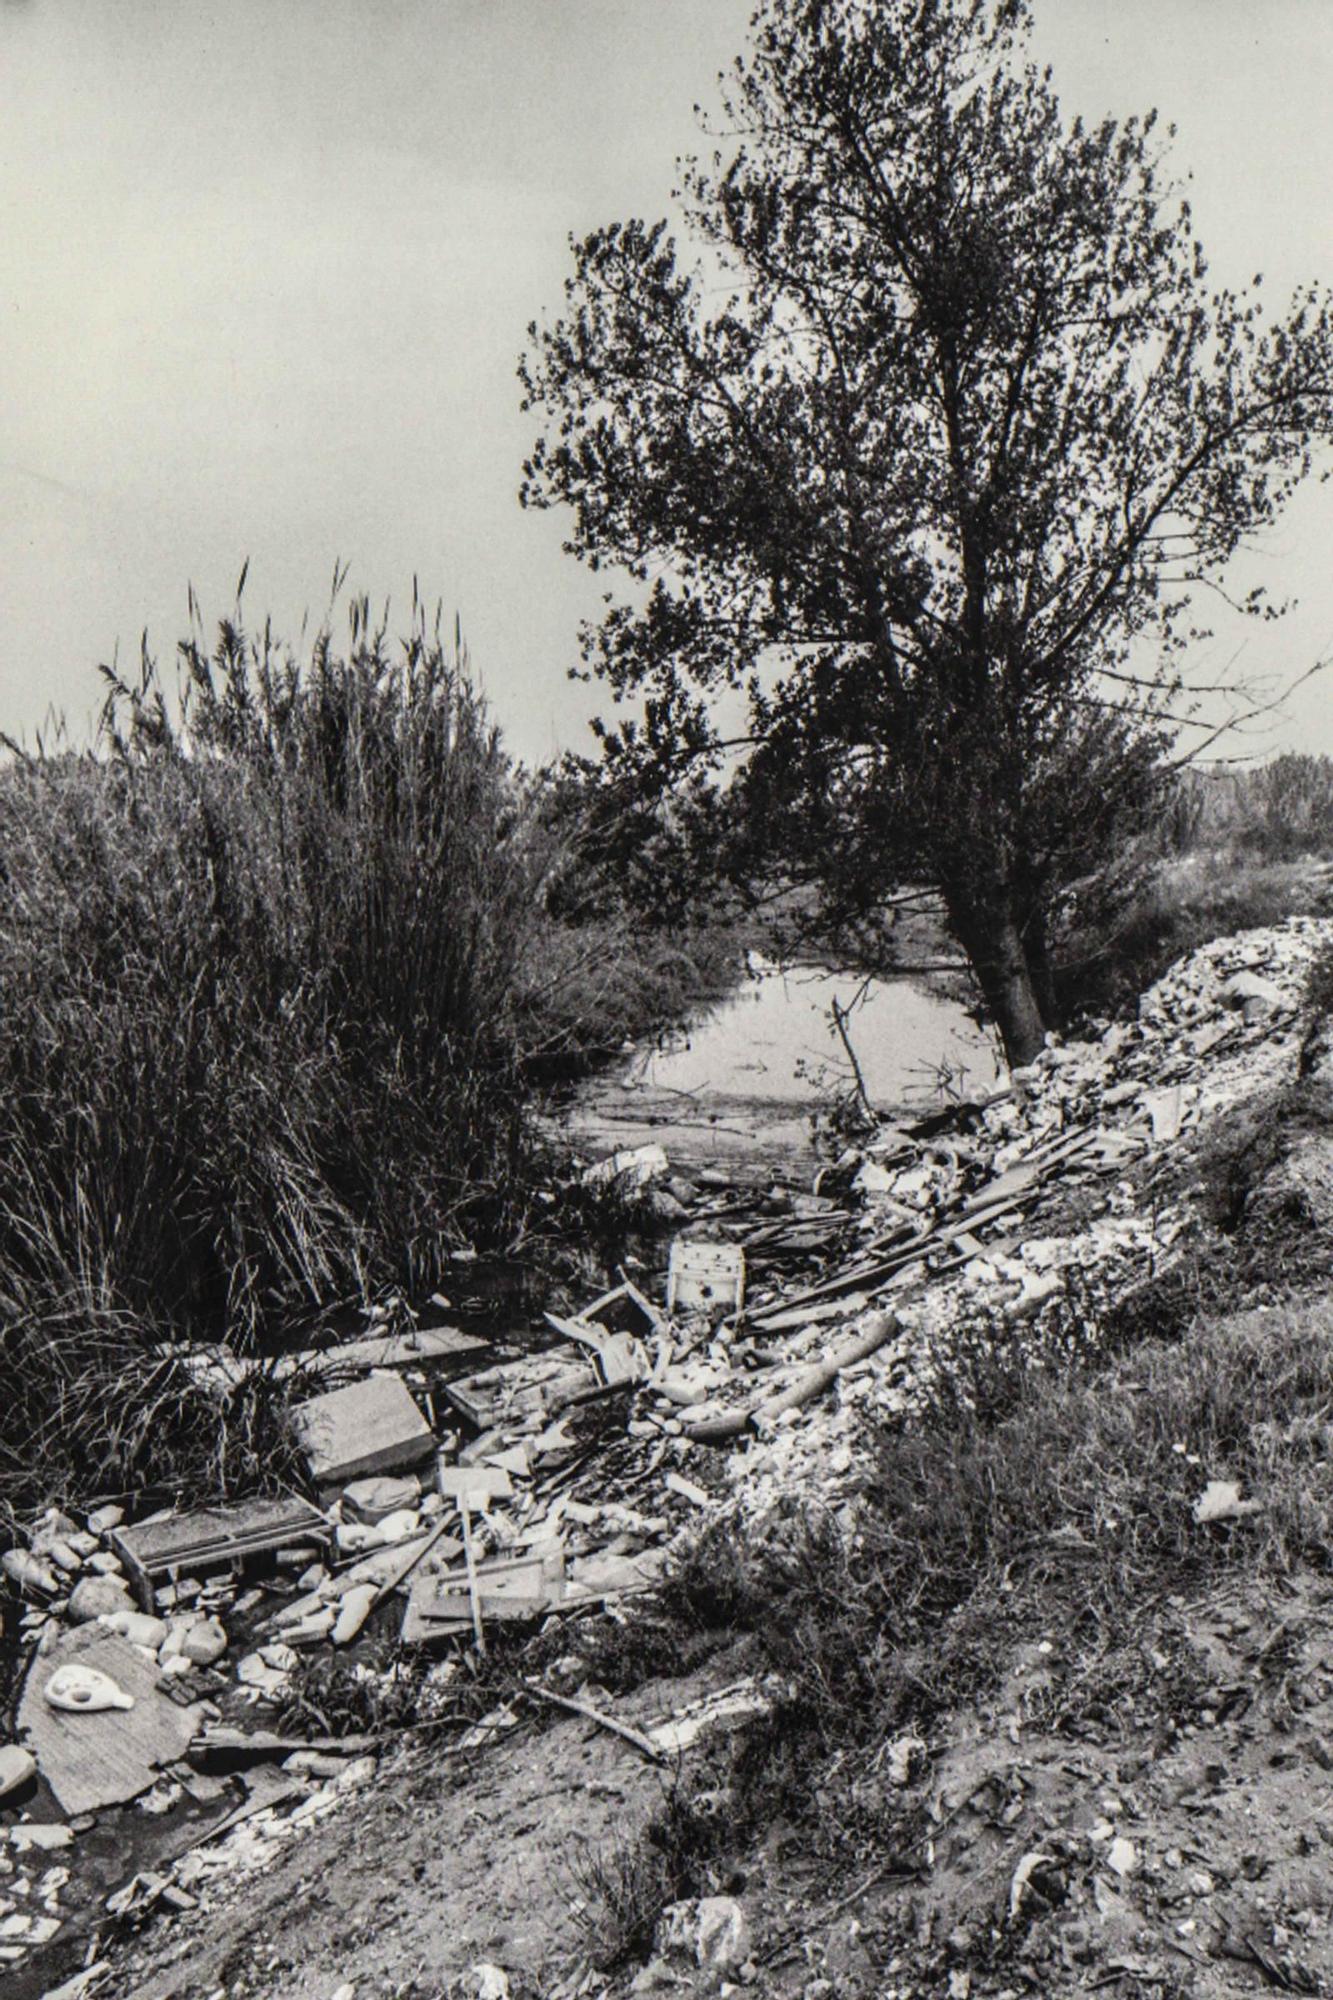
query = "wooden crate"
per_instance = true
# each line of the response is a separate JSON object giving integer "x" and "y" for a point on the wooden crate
{"x": 213, "y": 1538}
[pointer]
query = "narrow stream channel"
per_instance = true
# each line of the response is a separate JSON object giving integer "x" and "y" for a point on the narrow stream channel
{"x": 746, "y": 1079}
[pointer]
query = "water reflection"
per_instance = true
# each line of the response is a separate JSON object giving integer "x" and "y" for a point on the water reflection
{"x": 775, "y": 1039}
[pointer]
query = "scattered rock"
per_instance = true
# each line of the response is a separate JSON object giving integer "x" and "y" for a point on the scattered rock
{"x": 139, "y": 1627}
{"x": 17, "y": 1768}
{"x": 204, "y": 1643}
{"x": 40, "y": 1837}
{"x": 29, "y": 1572}
{"x": 709, "y": 1931}
{"x": 1253, "y": 995}
{"x": 97, "y": 1597}
{"x": 904, "y": 1759}
{"x": 481, "y": 1982}
{"x": 1221, "y": 1501}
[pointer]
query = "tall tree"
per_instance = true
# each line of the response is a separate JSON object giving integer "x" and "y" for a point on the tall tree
{"x": 940, "y": 429}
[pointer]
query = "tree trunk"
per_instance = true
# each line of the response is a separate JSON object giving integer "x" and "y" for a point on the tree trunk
{"x": 991, "y": 938}
{"x": 1037, "y": 953}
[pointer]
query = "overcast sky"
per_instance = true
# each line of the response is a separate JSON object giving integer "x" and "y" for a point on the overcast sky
{"x": 266, "y": 266}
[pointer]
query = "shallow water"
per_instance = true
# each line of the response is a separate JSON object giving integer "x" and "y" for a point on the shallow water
{"x": 774, "y": 1040}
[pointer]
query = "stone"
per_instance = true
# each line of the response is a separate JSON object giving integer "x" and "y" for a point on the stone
{"x": 373, "y": 1500}
{"x": 40, "y": 1837}
{"x": 139, "y": 1627}
{"x": 257, "y": 1672}
{"x": 17, "y": 1768}
{"x": 29, "y": 1572}
{"x": 102, "y": 1519}
{"x": 96, "y": 1596}
{"x": 1248, "y": 991}
{"x": 204, "y": 1643}
{"x": 904, "y": 1759}
{"x": 711, "y": 1932}
{"x": 56, "y": 1549}
{"x": 481, "y": 1982}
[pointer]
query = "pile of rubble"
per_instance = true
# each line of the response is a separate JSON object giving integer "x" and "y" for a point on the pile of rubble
{"x": 455, "y": 1487}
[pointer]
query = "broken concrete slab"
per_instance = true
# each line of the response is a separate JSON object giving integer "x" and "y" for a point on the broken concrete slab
{"x": 370, "y": 1426}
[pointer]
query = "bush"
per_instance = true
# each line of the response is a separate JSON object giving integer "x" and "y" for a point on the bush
{"x": 276, "y": 973}
{"x": 257, "y": 989}
{"x": 1184, "y": 905}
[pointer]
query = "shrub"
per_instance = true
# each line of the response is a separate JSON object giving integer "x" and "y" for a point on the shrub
{"x": 276, "y": 973}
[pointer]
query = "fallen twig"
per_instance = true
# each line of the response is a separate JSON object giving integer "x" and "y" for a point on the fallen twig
{"x": 644, "y": 1744}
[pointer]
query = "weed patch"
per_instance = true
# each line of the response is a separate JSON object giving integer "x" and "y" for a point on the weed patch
{"x": 624, "y": 1890}
{"x": 979, "y": 1535}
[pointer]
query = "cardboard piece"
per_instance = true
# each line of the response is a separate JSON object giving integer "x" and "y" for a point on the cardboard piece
{"x": 370, "y": 1426}
{"x": 705, "y": 1277}
{"x": 104, "y": 1757}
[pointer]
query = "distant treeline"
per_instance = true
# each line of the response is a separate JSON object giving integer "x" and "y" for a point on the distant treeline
{"x": 1273, "y": 812}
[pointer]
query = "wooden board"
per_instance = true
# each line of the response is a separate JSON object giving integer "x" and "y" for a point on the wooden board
{"x": 105, "y": 1758}
{"x": 210, "y": 1536}
{"x": 440, "y": 1604}
{"x": 370, "y": 1426}
{"x": 222, "y": 1368}
{"x": 387, "y": 1350}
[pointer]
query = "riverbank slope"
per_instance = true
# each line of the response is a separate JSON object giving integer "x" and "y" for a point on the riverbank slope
{"x": 1027, "y": 1610}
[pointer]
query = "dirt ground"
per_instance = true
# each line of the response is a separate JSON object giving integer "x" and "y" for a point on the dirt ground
{"x": 438, "y": 1867}
{"x": 1167, "y": 1830}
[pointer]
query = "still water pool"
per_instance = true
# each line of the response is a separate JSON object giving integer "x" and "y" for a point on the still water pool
{"x": 774, "y": 1039}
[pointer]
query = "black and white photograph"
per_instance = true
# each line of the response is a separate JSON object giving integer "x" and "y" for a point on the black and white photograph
{"x": 666, "y": 999}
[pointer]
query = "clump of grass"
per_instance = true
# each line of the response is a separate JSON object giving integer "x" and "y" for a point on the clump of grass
{"x": 623, "y": 1890}
{"x": 279, "y": 964}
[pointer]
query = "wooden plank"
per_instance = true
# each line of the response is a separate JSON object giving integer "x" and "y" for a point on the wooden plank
{"x": 370, "y": 1426}
{"x": 441, "y": 1605}
{"x": 386, "y": 1350}
{"x": 111, "y": 1755}
{"x": 222, "y": 1367}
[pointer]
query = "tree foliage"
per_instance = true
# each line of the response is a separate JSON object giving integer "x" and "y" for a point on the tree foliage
{"x": 941, "y": 428}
